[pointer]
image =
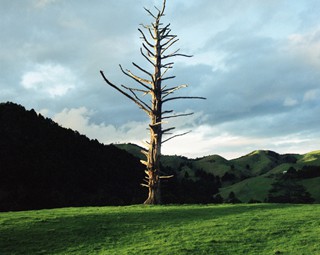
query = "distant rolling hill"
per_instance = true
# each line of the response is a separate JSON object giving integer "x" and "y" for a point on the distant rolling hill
{"x": 251, "y": 176}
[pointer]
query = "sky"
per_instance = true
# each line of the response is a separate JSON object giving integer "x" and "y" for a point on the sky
{"x": 257, "y": 63}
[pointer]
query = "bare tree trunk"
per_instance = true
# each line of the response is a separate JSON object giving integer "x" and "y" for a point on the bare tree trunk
{"x": 155, "y": 53}
{"x": 153, "y": 167}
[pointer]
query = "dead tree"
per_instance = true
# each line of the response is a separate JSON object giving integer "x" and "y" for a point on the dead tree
{"x": 155, "y": 47}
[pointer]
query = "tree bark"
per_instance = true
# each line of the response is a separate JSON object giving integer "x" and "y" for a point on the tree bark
{"x": 154, "y": 153}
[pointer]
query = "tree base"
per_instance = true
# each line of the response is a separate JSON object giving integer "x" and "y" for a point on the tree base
{"x": 154, "y": 197}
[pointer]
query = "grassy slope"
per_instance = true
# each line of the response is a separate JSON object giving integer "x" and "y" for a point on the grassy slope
{"x": 257, "y": 187}
{"x": 225, "y": 229}
{"x": 261, "y": 163}
{"x": 258, "y": 161}
{"x": 311, "y": 158}
{"x": 313, "y": 187}
{"x": 135, "y": 150}
{"x": 214, "y": 164}
{"x": 253, "y": 188}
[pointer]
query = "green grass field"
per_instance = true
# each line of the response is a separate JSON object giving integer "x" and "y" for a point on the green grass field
{"x": 187, "y": 229}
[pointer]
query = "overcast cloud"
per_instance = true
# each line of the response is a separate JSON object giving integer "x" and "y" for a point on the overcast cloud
{"x": 257, "y": 62}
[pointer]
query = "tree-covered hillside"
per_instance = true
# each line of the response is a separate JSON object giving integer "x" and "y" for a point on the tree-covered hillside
{"x": 43, "y": 165}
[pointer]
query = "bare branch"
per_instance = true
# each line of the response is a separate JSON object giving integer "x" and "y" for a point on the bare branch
{"x": 151, "y": 34}
{"x": 143, "y": 70}
{"x": 157, "y": 124}
{"x": 139, "y": 100}
{"x": 166, "y": 176}
{"x": 164, "y": 29}
{"x": 144, "y": 108}
{"x": 168, "y": 65}
{"x": 168, "y": 44}
{"x": 144, "y": 153}
{"x": 150, "y": 53}
{"x": 164, "y": 72}
{"x": 146, "y": 179}
{"x": 174, "y": 98}
{"x": 181, "y": 55}
{"x": 175, "y": 136}
{"x": 175, "y": 54}
{"x": 136, "y": 78}
{"x": 144, "y": 162}
{"x": 178, "y": 115}
{"x": 145, "y": 26}
{"x": 167, "y": 130}
{"x": 171, "y": 90}
{"x": 166, "y": 35}
{"x": 155, "y": 25}
{"x": 175, "y": 88}
{"x": 145, "y": 38}
{"x": 135, "y": 89}
{"x": 167, "y": 78}
{"x": 157, "y": 9}
{"x": 147, "y": 58}
{"x": 166, "y": 112}
{"x": 146, "y": 143}
{"x": 147, "y": 10}
{"x": 163, "y": 8}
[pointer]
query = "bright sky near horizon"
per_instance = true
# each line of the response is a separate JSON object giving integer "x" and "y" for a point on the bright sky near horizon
{"x": 257, "y": 62}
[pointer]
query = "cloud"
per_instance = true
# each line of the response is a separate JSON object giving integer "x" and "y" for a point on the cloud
{"x": 311, "y": 95}
{"x": 306, "y": 47}
{"x": 207, "y": 140}
{"x": 203, "y": 140}
{"x": 52, "y": 79}
{"x": 80, "y": 119}
{"x": 43, "y": 3}
{"x": 290, "y": 102}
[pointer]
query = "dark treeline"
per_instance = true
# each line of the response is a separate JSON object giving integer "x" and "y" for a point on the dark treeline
{"x": 200, "y": 189}
{"x": 286, "y": 189}
{"x": 43, "y": 165}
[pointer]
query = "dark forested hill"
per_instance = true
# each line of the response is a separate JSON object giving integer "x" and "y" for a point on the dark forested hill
{"x": 43, "y": 165}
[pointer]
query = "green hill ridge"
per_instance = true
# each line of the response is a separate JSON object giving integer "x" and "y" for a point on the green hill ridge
{"x": 251, "y": 176}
